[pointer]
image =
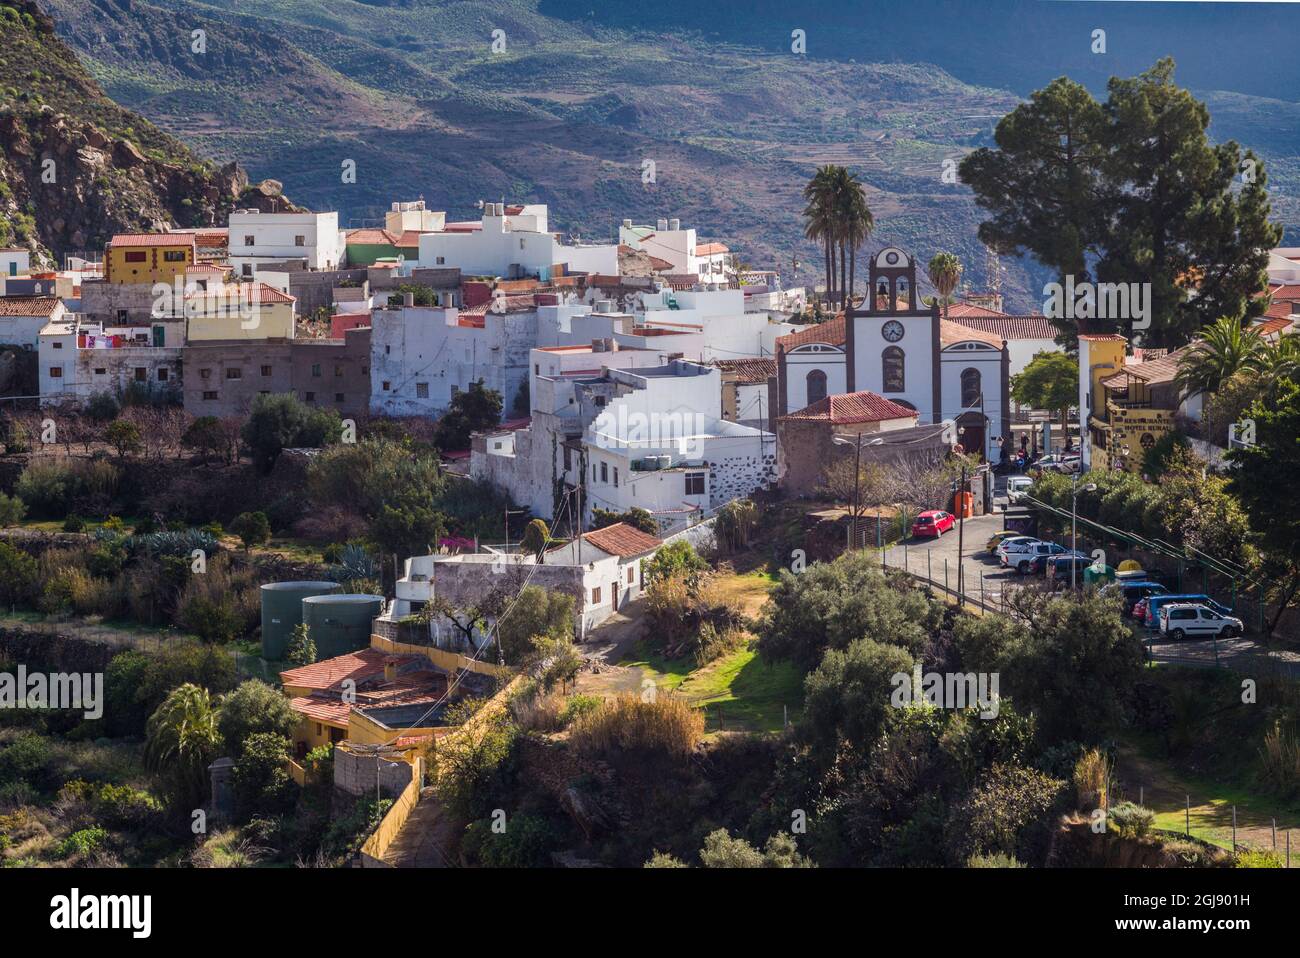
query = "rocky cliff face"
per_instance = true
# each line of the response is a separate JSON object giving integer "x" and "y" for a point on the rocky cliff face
{"x": 75, "y": 168}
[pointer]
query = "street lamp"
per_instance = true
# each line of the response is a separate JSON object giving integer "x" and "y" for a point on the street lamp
{"x": 856, "y": 443}
{"x": 1074, "y": 510}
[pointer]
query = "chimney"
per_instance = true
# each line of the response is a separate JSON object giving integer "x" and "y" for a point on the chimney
{"x": 627, "y": 223}
{"x": 390, "y": 670}
{"x": 611, "y": 346}
{"x": 598, "y": 345}
{"x": 674, "y": 224}
{"x": 662, "y": 225}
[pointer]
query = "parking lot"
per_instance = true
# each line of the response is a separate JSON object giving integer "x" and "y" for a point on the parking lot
{"x": 937, "y": 559}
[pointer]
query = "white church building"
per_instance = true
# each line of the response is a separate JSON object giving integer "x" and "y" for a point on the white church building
{"x": 891, "y": 344}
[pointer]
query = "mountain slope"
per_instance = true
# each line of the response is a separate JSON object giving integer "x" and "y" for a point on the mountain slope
{"x": 75, "y": 167}
{"x": 412, "y": 92}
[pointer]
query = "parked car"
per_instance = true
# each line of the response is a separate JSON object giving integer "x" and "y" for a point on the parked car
{"x": 1023, "y": 560}
{"x": 1059, "y": 462}
{"x": 998, "y": 538}
{"x": 1058, "y": 567}
{"x": 1186, "y": 620}
{"x": 1151, "y": 606}
{"x": 1132, "y": 592}
{"x": 1042, "y": 561}
{"x": 933, "y": 522}
{"x": 1013, "y": 546}
{"x": 1017, "y": 486}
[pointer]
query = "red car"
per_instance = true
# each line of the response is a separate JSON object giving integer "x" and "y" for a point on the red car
{"x": 932, "y": 522}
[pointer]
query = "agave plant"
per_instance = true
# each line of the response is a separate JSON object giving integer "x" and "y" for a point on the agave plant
{"x": 356, "y": 569}
{"x": 174, "y": 543}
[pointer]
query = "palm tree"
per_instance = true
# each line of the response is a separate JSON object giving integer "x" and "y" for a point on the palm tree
{"x": 856, "y": 223}
{"x": 945, "y": 272}
{"x": 181, "y": 739}
{"x": 1224, "y": 347}
{"x": 1278, "y": 361}
{"x": 819, "y": 194}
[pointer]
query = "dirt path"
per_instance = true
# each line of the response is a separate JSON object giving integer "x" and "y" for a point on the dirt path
{"x": 1162, "y": 790}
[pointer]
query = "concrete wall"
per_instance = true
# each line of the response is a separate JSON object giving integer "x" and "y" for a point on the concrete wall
{"x": 355, "y": 774}
{"x": 283, "y": 367}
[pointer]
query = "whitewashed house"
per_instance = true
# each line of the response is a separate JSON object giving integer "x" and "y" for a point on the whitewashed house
{"x": 257, "y": 239}
{"x": 512, "y": 242}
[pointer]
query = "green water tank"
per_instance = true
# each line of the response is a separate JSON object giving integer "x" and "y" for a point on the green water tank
{"x": 282, "y": 612}
{"x": 340, "y": 623}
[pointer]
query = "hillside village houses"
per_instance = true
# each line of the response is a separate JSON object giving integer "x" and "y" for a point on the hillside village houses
{"x": 602, "y": 570}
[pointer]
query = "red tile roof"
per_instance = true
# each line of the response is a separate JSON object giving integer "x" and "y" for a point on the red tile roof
{"x": 248, "y": 292}
{"x": 749, "y": 371}
{"x": 832, "y": 333}
{"x": 963, "y": 310}
{"x": 1153, "y": 372}
{"x": 28, "y": 305}
{"x": 371, "y": 236}
{"x": 623, "y": 540}
{"x": 152, "y": 239}
{"x": 1281, "y": 308}
{"x": 357, "y": 666}
{"x": 951, "y": 333}
{"x": 849, "y": 408}
{"x": 1274, "y": 325}
{"x": 1009, "y": 327}
{"x": 322, "y": 709}
{"x": 1287, "y": 291}
{"x": 711, "y": 249}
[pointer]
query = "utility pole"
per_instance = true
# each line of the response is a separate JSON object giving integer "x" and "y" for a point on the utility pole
{"x": 961, "y": 530}
{"x": 857, "y": 475}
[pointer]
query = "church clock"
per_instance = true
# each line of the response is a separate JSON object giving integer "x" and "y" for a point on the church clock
{"x": 892, "y": 330}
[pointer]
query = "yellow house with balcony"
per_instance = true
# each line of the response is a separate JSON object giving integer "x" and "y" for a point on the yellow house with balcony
{"x": 1127, "y": 403}
{"x": 148, "y": 258}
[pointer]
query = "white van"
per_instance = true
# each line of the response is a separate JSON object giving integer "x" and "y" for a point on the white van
{"x": 1017, "y": 486}
{"x": 1187, "y": 620}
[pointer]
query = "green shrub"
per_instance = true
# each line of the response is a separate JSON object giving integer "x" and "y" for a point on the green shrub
{"x": 1130, "y": 820}
{"x": 12, "y": 510}
{"x": 1257, "y": 859}
{"x": 83, "y": 842}
{"x": 74, "y": 523}
{"x": 578, "y": 706}
{"x": 18, "y": 576}
{"x": 526, "y": 842}
{"x": 996, "y": 860}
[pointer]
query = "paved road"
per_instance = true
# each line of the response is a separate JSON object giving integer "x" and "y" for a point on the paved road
{"x": 981, "y": 570}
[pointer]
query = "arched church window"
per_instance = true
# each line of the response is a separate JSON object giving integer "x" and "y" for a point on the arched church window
{"x": 816, "y": 386}
{"x": 970, "y": 388}
{"x": 893, "y": 363}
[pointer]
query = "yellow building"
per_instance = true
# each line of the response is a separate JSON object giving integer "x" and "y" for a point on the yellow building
{"x": 1131, "y": 402}
{"x": 148, "y": 257}
{"x": 374, "y": 696}
{"x": 239, "y": 311}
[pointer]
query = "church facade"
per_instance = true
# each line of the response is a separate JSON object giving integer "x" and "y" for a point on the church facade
{"x": 893, "y": 345}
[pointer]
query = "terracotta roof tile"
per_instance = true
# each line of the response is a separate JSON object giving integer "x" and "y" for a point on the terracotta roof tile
{"x": 963, "y": 310}
{"x": 153, "y": 239}
{"x": 1154, "y": 372}
{"x": 623, "y": 540}
{"x": 371, "y": 236}
{"x": 750, "y": 371}
{"x": 322, "y": 708}
{"x": 951, "y": 333}
{"x": 356, "y": 666}
{"x": 832, "y": 333}
{"x": 1010, "y": 327}
{"x": 711, "y": 249}
{"x": 28, "y": 305}
{"x": 848, "y": 408}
